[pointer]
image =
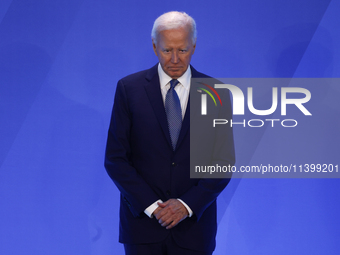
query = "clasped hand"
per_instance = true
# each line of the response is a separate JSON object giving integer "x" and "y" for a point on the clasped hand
{"x": 170, "y": 213}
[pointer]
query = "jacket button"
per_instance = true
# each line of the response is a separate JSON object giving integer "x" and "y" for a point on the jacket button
{"x": 168, "y": 192}
{"x": 173, "y": 164}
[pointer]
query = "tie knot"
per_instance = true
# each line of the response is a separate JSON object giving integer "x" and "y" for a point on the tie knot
{"x": 173, "y": 83}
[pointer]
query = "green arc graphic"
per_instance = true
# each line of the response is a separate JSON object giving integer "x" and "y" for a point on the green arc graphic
{"x": 209, "y": 95}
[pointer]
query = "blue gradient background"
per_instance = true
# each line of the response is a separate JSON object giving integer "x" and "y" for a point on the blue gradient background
{"x": 59, "y": 64}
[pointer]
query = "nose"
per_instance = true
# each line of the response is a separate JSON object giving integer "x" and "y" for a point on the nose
{"x": 174, "y": 57}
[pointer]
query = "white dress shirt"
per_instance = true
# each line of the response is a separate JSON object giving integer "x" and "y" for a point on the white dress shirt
{"x": 182, "y": 89}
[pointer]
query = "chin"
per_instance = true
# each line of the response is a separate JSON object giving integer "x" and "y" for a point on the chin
{"x": 176, "y": 74}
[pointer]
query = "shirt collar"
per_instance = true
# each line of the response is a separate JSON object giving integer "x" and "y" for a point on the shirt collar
{"x": 164, "y": 79}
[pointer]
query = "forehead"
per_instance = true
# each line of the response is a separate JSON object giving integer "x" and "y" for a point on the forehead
{"x": 176, "y": 36}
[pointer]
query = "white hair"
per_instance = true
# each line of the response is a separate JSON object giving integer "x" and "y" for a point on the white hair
{"x": 174, "y": 20}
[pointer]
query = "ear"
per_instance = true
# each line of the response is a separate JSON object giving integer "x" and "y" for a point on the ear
{"x": 194, "y": 48}
{"x": 154, "y": 47}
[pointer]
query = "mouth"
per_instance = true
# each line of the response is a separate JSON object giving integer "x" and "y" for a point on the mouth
{"x": 175, "y": 68}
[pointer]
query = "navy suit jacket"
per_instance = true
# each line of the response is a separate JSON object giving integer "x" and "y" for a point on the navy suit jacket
{"x": 141, "y": 162}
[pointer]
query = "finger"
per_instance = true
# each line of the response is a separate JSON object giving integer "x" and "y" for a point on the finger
{"x": 157, "y": 216}
{"x": 157, "y": 212}
{"x": 161, "y": 213}
{"x": 166, "y": 212}
{"x": 165, "y": 220}
{"x": 166, "y": 223}
{"x": 173, "y": 224}
{"x": 168, "y": 219}
{"x": 175, "y": 220}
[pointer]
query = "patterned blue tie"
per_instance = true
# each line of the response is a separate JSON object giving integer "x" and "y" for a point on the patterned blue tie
{"x": 173, "y": 112}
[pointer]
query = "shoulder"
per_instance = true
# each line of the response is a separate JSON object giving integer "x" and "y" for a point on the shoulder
{"x": 197, "y": 74}
{"x": 135, "y": 84}
{"x": 141, "y": 76}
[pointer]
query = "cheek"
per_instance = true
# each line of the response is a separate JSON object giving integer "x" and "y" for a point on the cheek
{"x": 164, "y": 59}
{"x": 187, "y": 59}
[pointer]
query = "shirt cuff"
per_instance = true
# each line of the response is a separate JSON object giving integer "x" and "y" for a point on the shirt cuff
{"x": 186, "y": 206}
{"x": 149, "y": 211}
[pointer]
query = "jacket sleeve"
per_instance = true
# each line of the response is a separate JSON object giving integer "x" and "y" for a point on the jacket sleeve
{"x": 134, "y": 190}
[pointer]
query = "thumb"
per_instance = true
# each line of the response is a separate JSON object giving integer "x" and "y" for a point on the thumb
{"x": 162, "y": 205}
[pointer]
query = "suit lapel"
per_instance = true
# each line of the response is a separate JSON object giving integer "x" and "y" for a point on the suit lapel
{"x": 185, "y": 124}
{"x": 155, "y": 96}
{"x": 153, "y": 91}
{"x": 186, "y": 120}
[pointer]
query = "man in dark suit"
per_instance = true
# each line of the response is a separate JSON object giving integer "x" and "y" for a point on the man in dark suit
{"x": 162, "y": 210}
